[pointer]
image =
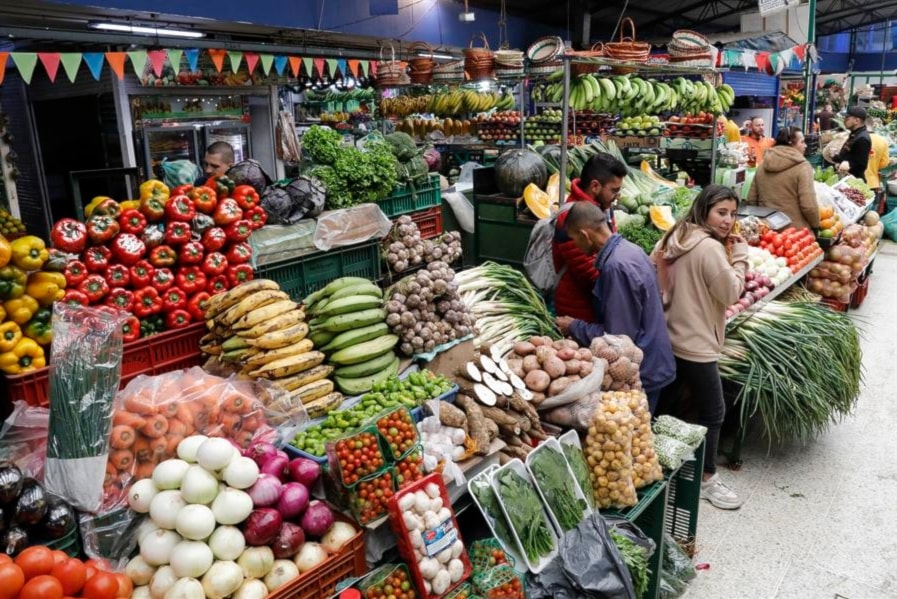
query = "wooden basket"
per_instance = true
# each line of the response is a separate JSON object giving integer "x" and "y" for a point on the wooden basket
{"x": 579, "y": 68}
{"x": 391, "y": 72}
{"x": 420, "y": 68}
{"x": 686, "y": 38}
{"x": 628, "y": 49}
{"x": 479, "y": 63}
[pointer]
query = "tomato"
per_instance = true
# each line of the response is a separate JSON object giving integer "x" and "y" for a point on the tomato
{"x": 11, "y": 580}
{"x": 5, "y": 559}
{"x": 102, "y": 585}
{"x": 42, "y": 587}
{"x": 72, "y": 573}
{"x": 35, "y": 561}
{"x": 125, "y": 586}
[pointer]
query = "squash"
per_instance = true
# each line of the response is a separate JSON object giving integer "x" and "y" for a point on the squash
{"x": 646, "y": 168}
{"x": 554, "y": 190}
{"x": 872, "y": 218}
{"x": 537, "y": 201}
{"x": 515, "y": 169}
{"x": 662, "y": 217}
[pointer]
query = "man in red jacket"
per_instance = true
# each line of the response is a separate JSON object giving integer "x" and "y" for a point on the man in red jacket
{"x": 599, "y": 183}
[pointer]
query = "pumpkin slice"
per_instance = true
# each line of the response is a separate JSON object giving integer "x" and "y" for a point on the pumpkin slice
{"x": 554, "y": 190}
{"x": 537, "y": 201}
{"x": 662, "y": 217}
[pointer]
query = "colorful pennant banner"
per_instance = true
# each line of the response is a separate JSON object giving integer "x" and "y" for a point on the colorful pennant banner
{"x": 772, "y": 63}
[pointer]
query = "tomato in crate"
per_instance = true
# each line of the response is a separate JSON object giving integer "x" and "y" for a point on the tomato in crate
{"x": 370, "y": 497}
{"x": 410, "y": 468}
{"x": 388, "y": 582}
{"x": 398, "y": 431}
{"x": 356, "y": 456}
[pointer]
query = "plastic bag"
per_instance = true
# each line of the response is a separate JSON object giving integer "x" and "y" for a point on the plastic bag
{"x": 23, "y": 438}
{"x": 179, "y": 172}
{"x": 579, "y": 389}
{"x": 577, "y": 415}
{"x": 465, "y": 177}
{"x": 443, "y": 446}
{"x": 276, "y": 243}
{"x": 337, "y": 228}
{"x": 833, "y": 271}
{"x": 831, "y": 289}
{"x": 676, "y": 561}
{"x": 889, "y": 221}
{"x": 671, "y": 453}
{"x": 670, "y": 426}
{"x": 462, "y": 208}
{"x": 609, "y": 452}
{"x": 84, "y": 376}
{"x": 645, "y": 467}
{"x": 635, "y": 548}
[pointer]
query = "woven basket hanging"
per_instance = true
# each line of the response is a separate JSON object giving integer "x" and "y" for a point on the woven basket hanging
{"x": 627, "y": 49}
{"x": 581, "y": 68}
{"x": 420, "y": 68}
{"x": 479, "y": 63}
{"x": 391, "y": 72}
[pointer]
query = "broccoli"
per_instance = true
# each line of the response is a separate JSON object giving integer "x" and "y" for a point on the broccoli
{"x": 402, "y": 146}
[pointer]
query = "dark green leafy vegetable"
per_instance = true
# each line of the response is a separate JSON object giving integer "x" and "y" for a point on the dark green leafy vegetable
{"x": 580, "y": 471}
{"x": 645, "y": 237}
{"x": 485, "y": 495}
{"x": 524, "y": 509}
{"x": 321, "y": 144}
{"x": 550, "y": 471}
{"x": 636, "y": 560}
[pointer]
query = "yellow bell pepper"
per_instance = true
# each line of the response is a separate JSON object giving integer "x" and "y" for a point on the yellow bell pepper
{"x": 26, "y": 356}
{"x": 46, "y": 287}
{"x": 10, "y": 335}
{"x": 130, "y": 205}
{"x": 154, "y": 190}
{"x": 29, "y": 252}
{"x": 88, "y": 210}
{"x": 21, "y": 309}
{"x": 2, "y": 313}
{"x": 5, "y": 251}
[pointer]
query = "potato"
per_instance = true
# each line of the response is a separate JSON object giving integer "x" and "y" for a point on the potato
{"x": 585, "y": 368}
{"x": 529, "y": 364}
{"x": 566, "y": 353}
{"x": 516, "y": 366}
{"x": 524, "y": 348}
{"x": 559, "y": 344}
{"x": 554, "y": 367}
{"x": 571, "y": 344}
{"x": 558, "y": 386}
{"x": 537, "y": 380}
{"x": 545, "y": 352}
{"x": 574, "y": 378}
{"x": 584, "y": 355}
{"x": 537, "y": 399}
{"x": 539, "y": 341}
{"x": 573, "y": 366}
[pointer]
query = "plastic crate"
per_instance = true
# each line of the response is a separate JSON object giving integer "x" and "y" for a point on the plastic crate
{"x": 859, "y": 296}
{"x": 835, "y": 304}
{"x": 429, "y": 222}
{"x": 322, "y": 580}
{"x": 408, "y": 199}
{"x": 684, "y": 497}
{"x": 301, "y": 276}
{"x": 164, "y": 352}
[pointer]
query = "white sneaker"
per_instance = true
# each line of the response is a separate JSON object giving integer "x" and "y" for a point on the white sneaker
{"x": 717, "y": 493}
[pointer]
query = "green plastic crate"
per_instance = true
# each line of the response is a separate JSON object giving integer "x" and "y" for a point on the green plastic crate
{"x": 407, "y": 199}
{"x": 649, "y": 514}
{"x": 303, "y": 275}
{"x": 684, "y": 497}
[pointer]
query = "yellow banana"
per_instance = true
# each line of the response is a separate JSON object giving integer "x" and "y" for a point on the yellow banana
{"x": 266, "y": 312}
{"x": 281, "y": 338}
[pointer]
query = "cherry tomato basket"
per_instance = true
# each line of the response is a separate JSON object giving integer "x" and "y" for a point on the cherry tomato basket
{"x": 397, "y": 432}
{"x": 410, "y": 468}
{"x": 488, "y": 553}
{"x": 500, "y": 582}
{"x": 369, "y": 499}
{"x": 465, "y": 591}
{"x": 382, "y": 583}
{"x": 442, "y": 537}
{"x": 356, "y": 456}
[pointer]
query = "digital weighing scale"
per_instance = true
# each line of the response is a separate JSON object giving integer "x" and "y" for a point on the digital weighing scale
{"x": 775, "y": 219}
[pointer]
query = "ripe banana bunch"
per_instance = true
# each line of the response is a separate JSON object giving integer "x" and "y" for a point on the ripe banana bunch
{"x": 404, "y": 105}
{"x": 259, "y": 329}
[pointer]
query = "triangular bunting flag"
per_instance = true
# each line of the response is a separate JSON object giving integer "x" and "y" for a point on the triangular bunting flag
{"x": 319, "y": 66}
{"x": 280, "y": 63}
{"x": 217, "y": 56}
{"x": 252, "y": 59}
{"x": 193, "y": 58}
{"x": 157, "y": 59}
{"x": 295, "y": 61}
{"x": 71, "y": 61}
{"x": 763, "y": 62}
{"x": 235, "y": 57}
{"x": 800, "y": 52}
{"x": 25, "y": 62}
{"x": 267, "y": 60}
{"x": 174, "y": 57}
{"x": 138, "y": 61}
{"x": 372, "y": 69}
{"x": 3, "y": 57}
{"x": 749, "y": 59}
{"x": 331, "y": 66}
{"x": 308, "y": 66}
{"x": 50, "y": 60}
{"x": 116, "y": 62}
{"x": 786, "y": 56}
{"x": 353, "y": 67}
{"x": 341, "y": 65}
{"x": 94, "y": 62}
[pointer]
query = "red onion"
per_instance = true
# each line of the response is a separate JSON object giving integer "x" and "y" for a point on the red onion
{"x": 262, "y": 526}
{"x": 274, "y": 464}
{"x": 317, "y": 519}
{"x": 293, "y": 500}
{"x": 289, "y": 539}
{"x": 266, "y": 490}
{"x": 260, "y": 451}
{"x": 305, "y": 471}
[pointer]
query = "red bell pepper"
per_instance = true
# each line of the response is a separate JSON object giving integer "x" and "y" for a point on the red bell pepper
{"x": 128, "y": 249}
{"x": 239, "y": 230}
{"x": 132, "y": 221}
{"x": 147, "y": 302}
{"x": 118, "y": 275}
{"x": 141, "y": 274}
{"x": 196, "y": 305}
{"x": 239, "y": 273}
{"x": 122, "y": 299}
{"x": 257, "y": 216}
{"x": 191, "y": 253}
{"x": 214, "y": 239}
{"x": 74, "y": 297}
{"x": 163, "y": 256}
{"x": 162, "y": 279}
{"x": 130, "y": 329}
{"x": 226, "y": 212}
{"x": 204, "y": 198}
{"x": 181, "y": 190}
{"x": 246, "y": 196}
{"x": 173, "y": 298}
{"x": 177, "y": 232}
{"x": 214, "y": 264}
{"x": 154, "y": 235}
{"x": 94, "y": 287}
{"x": 217, "y": 284}
{"x": 239, "y": 253}
{"x": 101, "y": 228}
{"x": 69, "y": 235}
{"x": 180, "y": 208}
{"x": 96, "y": 259}
{"x": 153, "y": 208}
{"x": 191, "y": 279}
{"x": 177, "y": 319}
{"x": 75, "y": 272}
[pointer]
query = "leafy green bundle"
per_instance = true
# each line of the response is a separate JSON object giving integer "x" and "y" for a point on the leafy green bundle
{"x": 524, "y": 509}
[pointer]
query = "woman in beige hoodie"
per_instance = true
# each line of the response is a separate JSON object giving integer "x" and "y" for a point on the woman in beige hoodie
{"x": 701, "y": 268}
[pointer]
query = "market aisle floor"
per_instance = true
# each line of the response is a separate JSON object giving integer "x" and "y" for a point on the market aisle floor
{"x": 820, "y": 521}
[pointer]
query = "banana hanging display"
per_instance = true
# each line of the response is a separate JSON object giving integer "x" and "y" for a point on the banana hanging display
{"x": 447, "y": 104}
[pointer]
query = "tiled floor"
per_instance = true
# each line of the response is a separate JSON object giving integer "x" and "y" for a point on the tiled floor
{"x": 820, "y": 521}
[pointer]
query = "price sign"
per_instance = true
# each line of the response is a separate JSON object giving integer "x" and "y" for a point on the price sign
{"x": 768, "y": 7}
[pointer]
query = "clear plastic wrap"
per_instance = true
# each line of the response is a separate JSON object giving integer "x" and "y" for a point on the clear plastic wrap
{"x": 444, "y": 446}
{"x": 609, "y": 452}
{"x": 23, "y": 438}
{"x": 645, "y": 467}
{"x": 671, "y": 453}
{"x": 500, "y": 582}
{"x": 833, "y": 271}
{"x": 670, "y": 426}
{"x": 577, "y": 415}
{"x": 337, "y": 228}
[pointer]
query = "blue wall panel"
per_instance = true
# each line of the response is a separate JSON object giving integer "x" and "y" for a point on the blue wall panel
{"x": 751, "y": 83}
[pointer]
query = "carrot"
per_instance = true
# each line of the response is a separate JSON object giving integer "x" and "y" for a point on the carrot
{"x": 243, "y": 438}
{"x": 125, "y": 418}
{"x": 159, "y": 447}
{"x": 122, "y": 436}
{"x": 142, "y": 450}
{"x": 237, "y": 403}
{"x": 155, "y": 427}
{"x": 122, "y": 459}
{"x": 214, "y": 413}
{"x": 199, "y": 415}
{"x": 169, "y": 409}
{"x": 251, "y": 423}
{"x": 177, "y": 427}
{"x": 171, "y": 447}
{"x": 144, "y": 470}
{"x": 111, "y": 474}
{"x": 232, "y": 423}
{"x": 184, "y": 413}
{"x": 139, "y": 403}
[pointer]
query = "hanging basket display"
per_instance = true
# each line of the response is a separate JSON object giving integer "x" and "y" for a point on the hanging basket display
{"x": 420, "y": 66}
{"x": 508, "y": 63}
{"x": 627, "y": 49}
{"x": 582, "y": 68}
{"x": 391, "y": 73}
{"x": 479, "y": 63}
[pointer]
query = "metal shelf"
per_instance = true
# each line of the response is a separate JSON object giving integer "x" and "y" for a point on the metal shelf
{"x": 649, "y": 68}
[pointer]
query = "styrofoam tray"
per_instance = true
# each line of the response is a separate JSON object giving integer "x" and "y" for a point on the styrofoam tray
{"x": 551, "y": 444}
{"x": 485, "y": 477}
{"x": 571, "y": 437}
{"x": 520, "y": 468}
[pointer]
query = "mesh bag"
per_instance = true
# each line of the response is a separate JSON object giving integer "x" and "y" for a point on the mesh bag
{"x": 609, "y": 453}
{"x": 672, "y": 453}
{"x": 690, "y": 434}
{"x": 645, "y": 467}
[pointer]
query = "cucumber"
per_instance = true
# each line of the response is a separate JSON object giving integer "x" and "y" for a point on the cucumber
{"x": 363, "y": 384}
{"x": 363, "y": 352}
{"x": 319, "y": 338}
{"x": 365, "y": 289}
{"x": 356, "y": 336}
{"x": 345, "y": 305}
{"x": 372, "y": 366}
{"x": 353, "y": 320}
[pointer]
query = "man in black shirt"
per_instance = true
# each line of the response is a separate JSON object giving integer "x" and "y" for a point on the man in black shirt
{"x": 824, "y": 118}
{"x": 854, "y": 154}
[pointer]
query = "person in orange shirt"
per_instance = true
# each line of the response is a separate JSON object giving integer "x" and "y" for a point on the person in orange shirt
{"x": 757, "y": 143}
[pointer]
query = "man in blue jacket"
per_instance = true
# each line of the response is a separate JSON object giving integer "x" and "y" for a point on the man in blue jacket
{"x": 626, "y": 298}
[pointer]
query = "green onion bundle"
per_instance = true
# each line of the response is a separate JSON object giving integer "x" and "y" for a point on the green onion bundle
{"x": 798, "y": 364}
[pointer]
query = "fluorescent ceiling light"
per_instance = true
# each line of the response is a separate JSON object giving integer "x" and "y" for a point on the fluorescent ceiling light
{"x": 435, "y": 55}
{"x": 157, "y": 31}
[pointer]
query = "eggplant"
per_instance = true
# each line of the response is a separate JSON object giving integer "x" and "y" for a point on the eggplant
{"x": 31, "y": 505}
{"x": 13, "y": 541}
{"x": 11, "y": 479}
{"x": 59, "y": 519}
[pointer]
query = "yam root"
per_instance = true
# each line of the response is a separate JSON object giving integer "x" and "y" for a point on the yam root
{"x": 526, "y": 439}
{"x": 519, "y": 452}
{"x": 476, "y": 423}
{"x": 508, "y": 431}
{"x": 503, "y": 458}
{"x": 492, "y": 428}
{"x": 500, "y": 416}
{"x": 449, "y": 415}
{"x": 527, "y": 409}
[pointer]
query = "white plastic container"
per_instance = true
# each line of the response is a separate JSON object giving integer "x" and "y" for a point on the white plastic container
{"x": 552, "y": 444}
{"x": 485, "y": 478}
{"x": 571, "y": 437}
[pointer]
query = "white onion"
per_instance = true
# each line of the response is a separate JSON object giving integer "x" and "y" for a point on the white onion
{"x": 338, "y": 535}
{"x": 195, "y": 522}
{"x": 141, "y": 494}
{"x": 169, "y": 474}
{"x": 232, "y": 506}
{"x": 146, "y": 527}
{"x": 215, "y": 453}
{"x": 283, "y": 572}
{"x": 191, "y": 559}
{"x": 241, "y": 473}
{"x": 227, "y": 543}
{"x": 251, "y": 589}
{"x": 186, "y": 588}
{"x": 187, "y": 448}
{"x": 142, "y": 592}
{"x": 139, "y": 571}
{"x": 222, "y": 579}
{"x": 161, "y": 581}
{"x": 164, "y": 508}
{"x": 155, "y": 549}
{"x": 310, "y": 556}
{"x": 256, "y": 562}
{"x": 199, "y": 486}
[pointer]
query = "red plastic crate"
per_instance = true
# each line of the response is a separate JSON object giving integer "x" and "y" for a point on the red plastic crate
{"x": 835, "y": 304}
{"x": 171, "y": 350}
{"x": 429, "y": 222}
{"x": 859, "y": 296}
